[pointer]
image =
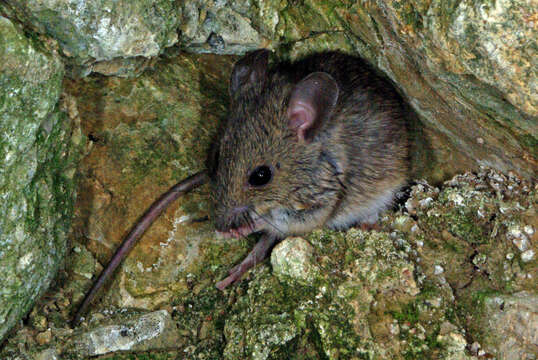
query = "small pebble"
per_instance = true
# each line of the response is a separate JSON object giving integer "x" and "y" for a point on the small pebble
{"x": 515, "y": 231}
{"x": 475, "y": 347}
{"x": 521, "y": 243}
{"x": 435, "y": 302}
{"x": 527, "y": 255}
{"x": 44, "y": 337}
{"x": 63, "y": 302}
{"x": 39, "y": 322}
{"x": 456, "y": 199}
{"x": 394, "y": 329}
{"x": 425, "y": 202}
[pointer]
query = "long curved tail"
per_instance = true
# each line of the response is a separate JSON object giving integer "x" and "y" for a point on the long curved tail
{"x": 137, "y": 230}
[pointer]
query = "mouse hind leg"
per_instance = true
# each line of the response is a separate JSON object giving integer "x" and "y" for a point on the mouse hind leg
{"x": 260, "y": 251}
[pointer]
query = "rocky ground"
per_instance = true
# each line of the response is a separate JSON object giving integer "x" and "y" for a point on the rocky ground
{"x": 449, "y": 274}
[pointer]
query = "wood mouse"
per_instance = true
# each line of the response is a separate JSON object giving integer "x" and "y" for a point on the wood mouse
{"x": 316, "y": 143}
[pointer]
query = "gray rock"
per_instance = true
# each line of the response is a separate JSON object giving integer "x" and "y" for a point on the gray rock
{"x": 512, "y": 322}
{"x": 37, "y": 163}
{"x": 154, "y": 331}
{"x": 454, "y": 347}
{"x": 48, "y": 354}
{"x": 467, "y": 63}
{"x": 94, "y": 31}
{"x": 292, "y": 258}
{"x": 217, "y": 27}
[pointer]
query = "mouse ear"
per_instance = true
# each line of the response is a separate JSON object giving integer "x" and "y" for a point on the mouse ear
{"x": 249, "y": 72}
{"x": 311, "y": 103}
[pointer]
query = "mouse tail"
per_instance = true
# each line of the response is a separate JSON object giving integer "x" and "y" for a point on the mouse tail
{"x": 138, "y": 229}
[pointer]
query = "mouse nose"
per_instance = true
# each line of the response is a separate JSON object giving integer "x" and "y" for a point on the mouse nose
{"x": 230, "y": 218}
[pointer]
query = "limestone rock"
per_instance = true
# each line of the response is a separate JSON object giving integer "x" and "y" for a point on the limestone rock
{"x": 293, "y": 258}
{"x": 145, "y": 135}
{"x": 153, "y": 331}
{"x": 467, "y": 68}
{"x": 37, "y": 164}
{"x": 96, "y": 31}
{"x": 512, "y": 323}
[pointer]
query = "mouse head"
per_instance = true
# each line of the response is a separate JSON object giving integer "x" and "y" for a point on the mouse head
{"x": 269, "y": 170}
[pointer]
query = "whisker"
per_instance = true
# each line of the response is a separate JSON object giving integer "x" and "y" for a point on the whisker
{"x": 250, "y": 221}
{"x": 267, "y": 221}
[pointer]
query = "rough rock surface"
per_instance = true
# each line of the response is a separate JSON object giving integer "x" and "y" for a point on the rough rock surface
{"x": 443, "y": 278}
{"x": 292, "y": 259}
{"x": 512, "y": 324}
{"x": 154, "y": 331}
{"x": 37, "y": 165}
{"x": 467, "y": 68}
{"x": 144, "y": 135}
{"x": 453, "y": 259}
{"x": 95, "y": 31}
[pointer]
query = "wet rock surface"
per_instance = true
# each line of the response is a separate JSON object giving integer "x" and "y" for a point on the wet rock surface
{"x": 38, "y": 158}
{"x": 441, "y": 278}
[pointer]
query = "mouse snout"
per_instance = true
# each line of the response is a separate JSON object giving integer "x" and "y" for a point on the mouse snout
{"x": 235, "y": 219}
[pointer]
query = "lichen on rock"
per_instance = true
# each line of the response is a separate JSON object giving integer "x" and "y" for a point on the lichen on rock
{"x": 292, "y": 258}
{"x": 441, "y": 278}
{"x": 96, "y": 31}
{"x": 38, "y": 158}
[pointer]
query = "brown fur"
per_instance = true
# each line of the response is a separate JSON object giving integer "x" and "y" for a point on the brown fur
{"x": 355, "y": 157}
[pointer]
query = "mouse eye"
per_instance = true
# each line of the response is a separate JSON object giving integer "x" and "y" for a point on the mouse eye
{"x": 260, "y": 176}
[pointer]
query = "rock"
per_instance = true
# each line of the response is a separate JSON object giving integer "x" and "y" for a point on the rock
{"x": 276, "y": 331}
{"x": 153, "y": 331}
{"x": 375, "y": 294}
{"x": 475, "y": 245}
{"x": 467, "y": 69}
{"x": 455, "y": 346}
{"x": 145, "y": 135}
{"x": 221, "y": 28}
{"x": 356, "y": 273}
{"x": 44, "y": 337}
{"x": 292, "y": 258}
{"x": 48, "y": 354}
{"x": 527, "y": 255}
{"x": 466, "y": 64}
{"x": 96, "y": 31}
{"x": 38, "y": 157}
{"x": 38, "y": 321}
{"x": 83, "y": 263}
{"x": 512, "y": 326}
